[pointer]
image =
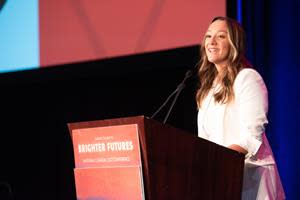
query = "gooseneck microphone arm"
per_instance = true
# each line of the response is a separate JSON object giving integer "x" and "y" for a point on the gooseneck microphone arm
{"x": 179, "y": 88}
{"x": 163, "y": 105}
{"x": 177, "y": 91}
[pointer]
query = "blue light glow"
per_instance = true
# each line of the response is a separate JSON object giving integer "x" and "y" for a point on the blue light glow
{"x": 239, "y": 11}
{"x": 19, "y": 41}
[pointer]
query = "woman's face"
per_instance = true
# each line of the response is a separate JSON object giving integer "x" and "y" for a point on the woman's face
{"x": 217, "y": 44}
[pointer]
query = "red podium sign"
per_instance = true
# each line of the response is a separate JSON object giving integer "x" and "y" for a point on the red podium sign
{"x": 108, "y": 163}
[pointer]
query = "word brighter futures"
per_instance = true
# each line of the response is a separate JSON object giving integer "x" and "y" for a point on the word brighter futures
{"x": 104, "y": 147}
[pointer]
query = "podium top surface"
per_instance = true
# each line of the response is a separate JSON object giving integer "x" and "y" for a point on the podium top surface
{"x": 107, "y": 122}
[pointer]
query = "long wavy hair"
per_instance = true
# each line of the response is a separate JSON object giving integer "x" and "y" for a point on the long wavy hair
{"x": 236, "y": 62}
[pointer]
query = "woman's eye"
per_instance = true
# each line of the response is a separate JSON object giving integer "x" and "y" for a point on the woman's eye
{"x": 207, "y": 36}
{"x": 222, "y": 36}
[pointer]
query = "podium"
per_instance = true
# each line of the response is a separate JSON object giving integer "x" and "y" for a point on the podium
{"x": 174, "y": 164}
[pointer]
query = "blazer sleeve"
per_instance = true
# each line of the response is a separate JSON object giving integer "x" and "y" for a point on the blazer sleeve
{"x": 252, "y": 104}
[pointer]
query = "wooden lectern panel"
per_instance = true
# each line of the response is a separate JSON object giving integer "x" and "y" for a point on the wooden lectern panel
{"x": 179, "y": 165}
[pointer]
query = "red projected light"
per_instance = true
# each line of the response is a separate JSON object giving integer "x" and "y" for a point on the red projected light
{"x": 87, "y": 30}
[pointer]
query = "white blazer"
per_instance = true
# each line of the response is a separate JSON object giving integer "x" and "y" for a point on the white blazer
{"x": 243, "y": 122}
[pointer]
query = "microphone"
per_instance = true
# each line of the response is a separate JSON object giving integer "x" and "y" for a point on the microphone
{"x": 177, "y": 91}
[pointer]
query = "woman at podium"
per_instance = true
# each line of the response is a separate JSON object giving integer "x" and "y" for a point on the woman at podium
{"x": 232, "y": 104}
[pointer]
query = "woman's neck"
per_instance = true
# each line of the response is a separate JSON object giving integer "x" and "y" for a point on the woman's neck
{"x": 220, "y": 75}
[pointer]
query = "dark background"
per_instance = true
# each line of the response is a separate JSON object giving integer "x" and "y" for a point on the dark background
{"x": 35, "y": 148}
